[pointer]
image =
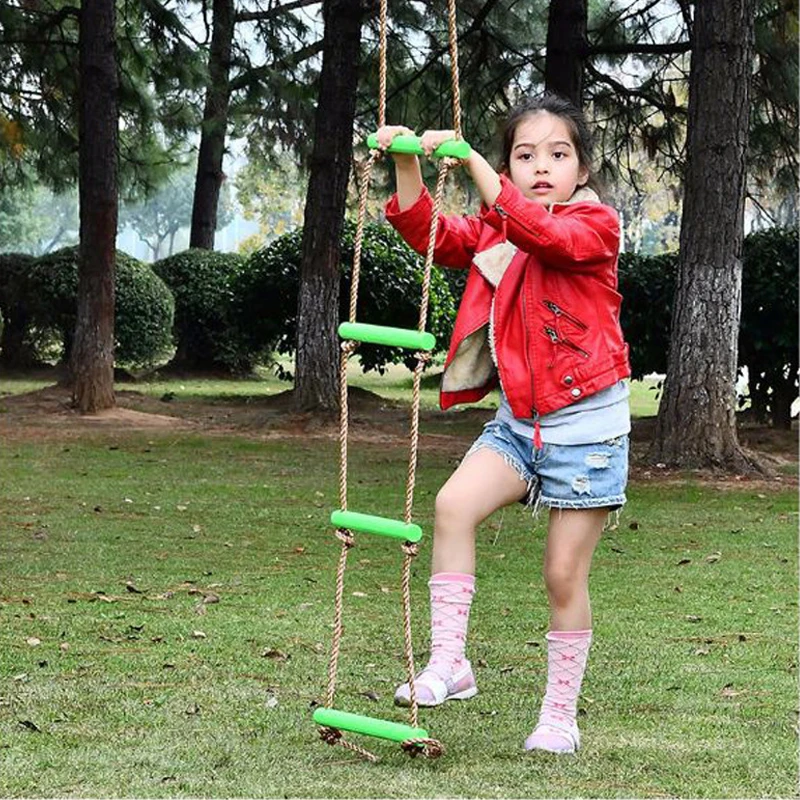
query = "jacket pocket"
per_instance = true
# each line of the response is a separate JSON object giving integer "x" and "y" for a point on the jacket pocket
{"x": 559, "y": 340}
{"x": 560, "y": 313}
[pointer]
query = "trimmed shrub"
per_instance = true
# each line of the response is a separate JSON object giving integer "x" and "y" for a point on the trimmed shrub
{"x": 768, "y": 332}
{"x": 389, "y": 293}
{"x": 647, "y": 286}
{"x": 20, "y": 343}
{"x": 768, "y": 328}
{"x": 207, "y": 335}
{"x": 144, "y": 307}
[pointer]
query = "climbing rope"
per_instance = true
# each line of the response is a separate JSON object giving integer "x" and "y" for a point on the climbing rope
{"x": 429, "y": 747}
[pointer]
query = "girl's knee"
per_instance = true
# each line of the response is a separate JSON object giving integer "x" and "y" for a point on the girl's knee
{"x": 452, "y": 507}
{"x": 564, "y": 580}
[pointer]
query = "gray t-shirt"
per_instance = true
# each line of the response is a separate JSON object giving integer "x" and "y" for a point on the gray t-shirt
{"x": 597, "y": 418}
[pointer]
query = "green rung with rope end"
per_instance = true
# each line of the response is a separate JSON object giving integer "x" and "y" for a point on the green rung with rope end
{"x": 411, "y": 145}
{"x": 369, "y": 726}
{"x": 383, "y": 526}
{"x": 381, "y": 334}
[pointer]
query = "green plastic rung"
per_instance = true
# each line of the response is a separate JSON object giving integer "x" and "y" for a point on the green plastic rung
{"x": 380, "y": 334}
{"x": 452, "y": 148}
{"x": 382, "y": 729}
{"x": 383, "y": 526}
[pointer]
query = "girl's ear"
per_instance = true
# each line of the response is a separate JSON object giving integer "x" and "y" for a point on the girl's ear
{"x": 583, "y": 177}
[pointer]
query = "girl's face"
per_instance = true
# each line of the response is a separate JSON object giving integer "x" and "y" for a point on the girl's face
{"x": 544, "y": 163}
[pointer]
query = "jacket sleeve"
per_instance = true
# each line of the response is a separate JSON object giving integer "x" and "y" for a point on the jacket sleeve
{"x": 456, "y": 237}
{"x": 582, "y": 236}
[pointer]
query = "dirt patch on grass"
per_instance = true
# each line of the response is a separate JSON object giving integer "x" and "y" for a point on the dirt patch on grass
{"x": 47, "y": 413}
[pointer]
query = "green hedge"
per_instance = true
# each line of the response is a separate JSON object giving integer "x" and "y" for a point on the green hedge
{"x": 647, "y": 285}
{"x": 47, "y": 287}
{"x": 768, "y": 331}
{"x": 389, "y": 293}
{"x": 207, "y": 336}
{"x": 20, "y": 342}
{"x": 768, "y": 328}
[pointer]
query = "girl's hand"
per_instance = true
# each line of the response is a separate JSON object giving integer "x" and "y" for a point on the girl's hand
{"x": 388, "y": 132}
{"x": 430, "y": 140}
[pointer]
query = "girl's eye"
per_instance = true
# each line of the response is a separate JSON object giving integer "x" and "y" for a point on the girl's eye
{"x": 526, "y": 156}
{"x": 559, "y": 155}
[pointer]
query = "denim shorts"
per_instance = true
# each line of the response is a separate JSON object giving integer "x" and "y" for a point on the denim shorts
{"x": 562, "y": 475}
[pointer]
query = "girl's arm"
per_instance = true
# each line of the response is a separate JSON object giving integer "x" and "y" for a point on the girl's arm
{"x": 406, "y": 167}
{"x": 483, "y": 174}
{"x": 410, "y": 210}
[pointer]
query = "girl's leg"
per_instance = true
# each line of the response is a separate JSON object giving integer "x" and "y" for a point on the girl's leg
{"x": 482, "y": 483}
{"x": 571, "y": 540}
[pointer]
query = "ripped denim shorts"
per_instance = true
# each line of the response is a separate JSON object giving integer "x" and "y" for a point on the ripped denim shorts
{"x": 562, "y": 475}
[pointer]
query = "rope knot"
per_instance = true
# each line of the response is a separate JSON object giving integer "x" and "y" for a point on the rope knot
{"x": 411, "y": 549}
{"x": 330, "y": 735}
{"x": 349, "y": 346}
{"x": 430, "y": 748}
{"x": 423, "y": 357}
{"x": 345, "y": 537}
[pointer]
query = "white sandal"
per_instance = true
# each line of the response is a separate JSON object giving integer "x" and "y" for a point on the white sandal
{"x": 569, "y": 733}
{"x": 432, "y": 690}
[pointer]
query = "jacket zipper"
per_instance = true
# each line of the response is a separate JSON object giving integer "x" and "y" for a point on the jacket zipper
{"x": 552, "y": 334}
{"x": 503, "y": 213}
{"x": 537, "y": 433}
{"x": 559, "y": 312}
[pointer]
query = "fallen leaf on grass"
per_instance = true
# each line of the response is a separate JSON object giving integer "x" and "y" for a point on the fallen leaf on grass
{"x": 359, "y": 594}
{"x": 684, "y": 561}
{"x": 31, "y": 726}
{"x": 271, "y": 701}
{"x": 33, "y": 641}
{"x": 193, "y": 709}
{"x": 131, "y": 587}
{"x": 729, "y": 691}
{"x": 693, "y": 618}
{"x": 371, "y": 696}
{"x": 198, "y": 635}
{"x": 702, "y": 651}
{"x": 713, "y": 558}
{"x": 275, "y": 655}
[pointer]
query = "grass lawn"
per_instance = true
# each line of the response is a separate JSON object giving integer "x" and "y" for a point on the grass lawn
{"x": 165, "y": 620}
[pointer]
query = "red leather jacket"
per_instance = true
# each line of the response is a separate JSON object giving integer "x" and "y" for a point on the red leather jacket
{"x": 540, "y": 305}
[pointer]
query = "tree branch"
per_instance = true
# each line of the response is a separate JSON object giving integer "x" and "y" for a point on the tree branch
{"x": 434, "y": 57}
{"x": 276, "y": 11}
{"x": 257, "y": 73}
{"x": 674, "y": 48}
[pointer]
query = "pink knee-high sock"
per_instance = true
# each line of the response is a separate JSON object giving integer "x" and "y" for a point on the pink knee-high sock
{"x": 451, "y": 598}
{"x": 567, "y": 652}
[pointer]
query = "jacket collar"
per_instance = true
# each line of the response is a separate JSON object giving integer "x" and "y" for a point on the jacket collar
{"x": 582, "y": 194}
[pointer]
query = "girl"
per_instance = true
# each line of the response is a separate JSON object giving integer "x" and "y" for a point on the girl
{"x": 540, "y": 318}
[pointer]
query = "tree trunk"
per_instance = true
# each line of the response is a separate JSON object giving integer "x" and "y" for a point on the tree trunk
{"x": 215, "y": 123}
{"x": 317, "y": 362}
{"x": 566, "y": 49}
{"x": 92, "y": 356}
{"x": 696, "y": 424}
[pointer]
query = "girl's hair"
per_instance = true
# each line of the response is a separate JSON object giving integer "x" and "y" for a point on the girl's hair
{"x": 560, "y": 107}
